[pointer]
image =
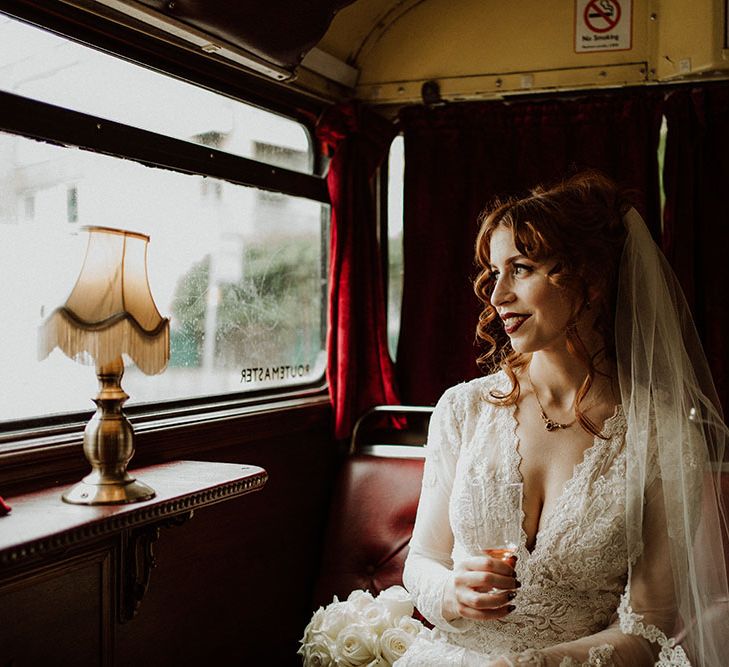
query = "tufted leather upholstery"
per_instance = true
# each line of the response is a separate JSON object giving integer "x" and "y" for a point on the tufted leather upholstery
{"x": 374, "y": 503}
{"x": 370, "y": 524}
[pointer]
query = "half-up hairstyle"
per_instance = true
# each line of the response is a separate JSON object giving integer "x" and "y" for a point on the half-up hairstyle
{"x": 577, "y": 223}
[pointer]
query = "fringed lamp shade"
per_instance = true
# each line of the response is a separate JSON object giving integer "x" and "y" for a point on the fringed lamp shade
{"x": 110, "y": 315}
{"x": 110, "y": 311}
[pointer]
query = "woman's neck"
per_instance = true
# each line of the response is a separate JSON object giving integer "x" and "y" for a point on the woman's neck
{"x": 558, "y": 377}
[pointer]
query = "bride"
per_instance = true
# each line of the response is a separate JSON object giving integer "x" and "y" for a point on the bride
{"x": 604, "y": 409}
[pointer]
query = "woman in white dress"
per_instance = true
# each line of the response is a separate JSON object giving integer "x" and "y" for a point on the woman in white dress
{"x": 605, "y": 411}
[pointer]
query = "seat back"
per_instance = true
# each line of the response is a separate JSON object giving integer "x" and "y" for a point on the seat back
{"x": 374, "y": 503}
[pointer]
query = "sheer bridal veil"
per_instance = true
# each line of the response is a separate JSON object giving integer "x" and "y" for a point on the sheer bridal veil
{"x": 675, "y": 446}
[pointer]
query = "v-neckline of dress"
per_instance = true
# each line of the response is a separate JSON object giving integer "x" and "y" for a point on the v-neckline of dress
{"x": 515, "y": 459}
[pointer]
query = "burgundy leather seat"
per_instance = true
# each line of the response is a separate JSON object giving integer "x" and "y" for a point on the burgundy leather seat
{"x": 374, "y": 503}
{"x": 370, "y": 524}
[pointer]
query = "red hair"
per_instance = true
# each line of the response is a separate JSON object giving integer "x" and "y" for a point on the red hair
{"x": 578, "y": 223}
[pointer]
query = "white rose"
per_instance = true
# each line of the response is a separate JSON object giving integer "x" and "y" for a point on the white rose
{"x": 376, "y": 616}
{"x": 359, "y": 599}
{"x": 411, "y": 625}
{"x": 379, "y": 661}
{"x": 335, "y": 617}
{"x": 397, "y": 600}
{"x": 318, "y": 652}
{"x": 314, "y": 625}
{"x": 394, "y": 642}
{"x": 356, "y": 645}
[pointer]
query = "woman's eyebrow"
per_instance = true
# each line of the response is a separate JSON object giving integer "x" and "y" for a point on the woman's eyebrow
{"x": 511, "y": 260}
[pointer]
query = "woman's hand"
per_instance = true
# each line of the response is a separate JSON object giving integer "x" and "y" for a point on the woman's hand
{"x": 467, "y": 594}
{"x": 501, "y": 662}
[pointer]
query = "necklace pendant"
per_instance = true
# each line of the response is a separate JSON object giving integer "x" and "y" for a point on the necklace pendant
{"x": 551, "y": 425}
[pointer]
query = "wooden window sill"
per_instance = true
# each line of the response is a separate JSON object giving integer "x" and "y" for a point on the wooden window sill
{"x": 40, "y": 523}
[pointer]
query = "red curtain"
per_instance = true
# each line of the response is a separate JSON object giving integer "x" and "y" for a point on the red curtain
{"x": 359, "y": 371}
{"x": 456, "y": 159}
{"x": 696, "y": 215}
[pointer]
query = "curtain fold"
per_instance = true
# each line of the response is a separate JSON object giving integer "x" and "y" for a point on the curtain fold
{"x": 459, "y": 157}
{"x": 696, "y": 214}
{"x": 359, "y": 369}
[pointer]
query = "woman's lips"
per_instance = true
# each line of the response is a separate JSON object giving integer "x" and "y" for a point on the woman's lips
{"x": 512, "y": 322}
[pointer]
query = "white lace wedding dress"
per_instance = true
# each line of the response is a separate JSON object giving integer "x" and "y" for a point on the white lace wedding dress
{"x": 571, "y": 583}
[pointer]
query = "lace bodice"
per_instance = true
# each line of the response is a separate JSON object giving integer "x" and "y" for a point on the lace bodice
{"x": 572, "y": 580}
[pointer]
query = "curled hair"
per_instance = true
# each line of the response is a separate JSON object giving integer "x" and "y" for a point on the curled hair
{"x": 579, "y": 224}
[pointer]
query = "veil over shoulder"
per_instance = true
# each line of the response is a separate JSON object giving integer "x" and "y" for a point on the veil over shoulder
{"x": 675, "y": 444}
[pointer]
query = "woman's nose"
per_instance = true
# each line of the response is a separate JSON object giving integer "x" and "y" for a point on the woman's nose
{"x": 501, "y": 293}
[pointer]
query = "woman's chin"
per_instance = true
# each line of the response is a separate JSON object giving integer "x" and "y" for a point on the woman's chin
{"x": 520, "y": 345}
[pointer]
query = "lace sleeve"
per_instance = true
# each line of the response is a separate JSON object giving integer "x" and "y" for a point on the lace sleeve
{"x": 429, "y": 565}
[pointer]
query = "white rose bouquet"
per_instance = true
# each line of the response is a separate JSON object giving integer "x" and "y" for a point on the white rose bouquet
{"x": 363, "y": 630}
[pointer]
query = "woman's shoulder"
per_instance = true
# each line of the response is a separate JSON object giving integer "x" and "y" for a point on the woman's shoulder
{"x": 474, "y": 395}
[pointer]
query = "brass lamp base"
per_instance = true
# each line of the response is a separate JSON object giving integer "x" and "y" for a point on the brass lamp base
{"x": 108, "y": 494}
{"x": 108, "y": 446}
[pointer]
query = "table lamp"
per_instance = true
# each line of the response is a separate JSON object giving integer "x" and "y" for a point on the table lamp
{"x": 110, "y": 313}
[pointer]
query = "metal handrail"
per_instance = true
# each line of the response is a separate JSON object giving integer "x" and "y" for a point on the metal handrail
{"x": 385, "y": 409}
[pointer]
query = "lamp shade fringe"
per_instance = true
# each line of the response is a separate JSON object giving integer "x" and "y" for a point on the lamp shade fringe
{"x": 101, "y": 343}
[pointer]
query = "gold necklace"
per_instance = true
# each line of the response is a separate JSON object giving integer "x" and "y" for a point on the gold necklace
{"x": 549, "y": 423}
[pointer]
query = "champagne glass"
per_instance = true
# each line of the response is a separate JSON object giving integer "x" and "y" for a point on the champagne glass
{"x": 497, "y": 517}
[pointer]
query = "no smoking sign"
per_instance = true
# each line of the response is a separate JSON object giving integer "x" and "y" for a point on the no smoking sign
{"x": 603, "y": 25}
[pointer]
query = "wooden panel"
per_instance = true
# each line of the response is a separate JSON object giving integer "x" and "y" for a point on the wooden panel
{"x": 54, "y": 615}
{"x": 234, "y": 585}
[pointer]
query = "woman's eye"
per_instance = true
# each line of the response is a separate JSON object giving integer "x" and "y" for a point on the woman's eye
{"x": 520, "y": 269}
{"x": 494, "y": 275}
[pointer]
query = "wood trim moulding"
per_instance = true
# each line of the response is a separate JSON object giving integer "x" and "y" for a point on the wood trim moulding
{"x": 68, "y": 429}
{"x": 41, "y": 524}
{"x": 49, "y": 455}
{"x": 500, "y": 85}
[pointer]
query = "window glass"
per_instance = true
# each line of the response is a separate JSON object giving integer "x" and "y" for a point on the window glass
{"x": 661, "y": 159}
{"x": 43, "y": 66}
{"x": 239, "y": 272}
{"x": 396, "y": 168}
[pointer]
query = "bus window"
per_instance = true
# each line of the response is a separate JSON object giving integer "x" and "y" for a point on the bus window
{"x": 45, "y": 67}
{"x": 396, "y": 166}
{"x": 239, "y": 270}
